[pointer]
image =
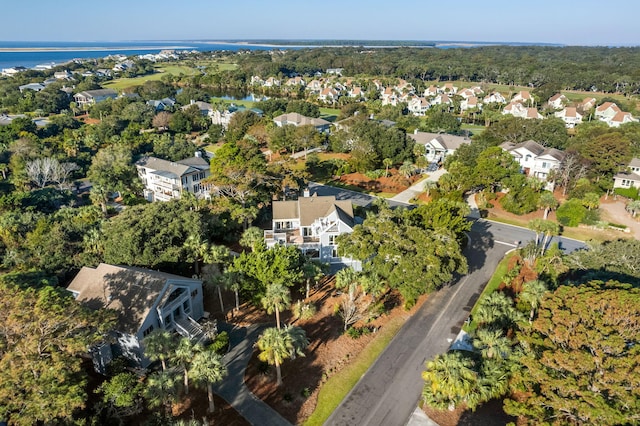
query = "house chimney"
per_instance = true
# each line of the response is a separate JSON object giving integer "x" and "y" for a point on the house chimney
{"x": 305, "y": 193}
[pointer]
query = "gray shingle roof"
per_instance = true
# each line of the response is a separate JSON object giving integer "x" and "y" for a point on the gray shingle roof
{"x": 131, "y": 292}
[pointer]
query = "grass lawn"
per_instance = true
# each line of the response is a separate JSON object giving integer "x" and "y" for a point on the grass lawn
{"x": 338, "y": 386}
{"x": 247, "y": 104}
{"x": 473, "y": 128}
{"x": 329, "y": 114}
{"x": 124, "y": 83}
{"x": 491, "y": 286}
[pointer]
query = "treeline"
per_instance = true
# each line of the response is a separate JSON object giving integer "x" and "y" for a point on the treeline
{"x": 571, "y": 68}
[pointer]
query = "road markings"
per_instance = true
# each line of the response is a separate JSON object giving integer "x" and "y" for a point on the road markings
{"x": 506, "y": 244}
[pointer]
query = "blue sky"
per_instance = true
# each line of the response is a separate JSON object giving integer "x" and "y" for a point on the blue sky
{"x": 585, "y": 22}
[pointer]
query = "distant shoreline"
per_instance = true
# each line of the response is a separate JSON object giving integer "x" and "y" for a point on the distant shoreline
{"x": 88, "y": 49}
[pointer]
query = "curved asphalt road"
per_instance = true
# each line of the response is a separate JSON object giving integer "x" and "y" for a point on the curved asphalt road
{"x": 388, "y": 392}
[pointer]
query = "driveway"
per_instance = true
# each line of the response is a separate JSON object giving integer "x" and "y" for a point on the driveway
{"x": 417, "y": 188}
{"x": 616, "y": 212}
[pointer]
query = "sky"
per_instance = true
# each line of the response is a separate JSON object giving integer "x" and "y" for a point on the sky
{"x": 570, "y": 22}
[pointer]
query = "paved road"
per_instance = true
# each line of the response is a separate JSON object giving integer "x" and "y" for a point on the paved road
{"x": 357, "y": 198}
{"x": 388, "y": 392}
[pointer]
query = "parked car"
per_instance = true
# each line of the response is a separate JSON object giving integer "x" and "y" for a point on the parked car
{"x": 432, "y": 167}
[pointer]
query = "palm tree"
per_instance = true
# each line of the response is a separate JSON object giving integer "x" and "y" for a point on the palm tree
{"x": 197, "y": 249}
{"x": 297, "y": 338}
{"x": 347, "y": 278}
{"x": 591, "y": 200}
{"x": 492, "y": 343}
{"x": 387, "y": 162}
{"x": 549, "y": 229}
{"x": 207, "y": 367}
{"x": 548, "y": 202}
{"x": 633, "y": 207}
{"x": 536, "y": 225}
{"x": 183, "y": 355}
{"x": 253, "y": 238}
{"x": 449, "y": 381}
{"x": 274, "y": 347}
{"x": 428, "y": 186}
{"x": 312, "y": 271}
{"x": 532, "y": 293}
{"x": 406, "y": 169}
{"x": 276, "y": 298}
{"x": 161, "y": 390}
{"x": 158, "y": 346}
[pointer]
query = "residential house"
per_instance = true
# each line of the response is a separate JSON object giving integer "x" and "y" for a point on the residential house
{"x": 335, "y": 71}
{"x": 63, "y": 75}
{"x": 430, "y": 91}
{"x": 10, "y": 72}
{"x": 389, "y": 97}
{"x": 165, "y": 180}
{"x": 470, "y": 103}
{"x": 223, "y": 117}
{"x": 36, "y": 87}
{"x": 448, "y": 89}
{"x": 587, "y": 104}
{"x": 469, "y": 92}
{"x": 534, "y": 159}
{"x": 629, "y": 178}
{"x": 570, "y": 116}
{"x": 295, "y": 81}
{"x": 271, "y": 82}
{"x": 144, "y": 300}
{"x": 295, "y": 119}
{"x": 328, "y": 94}
{"x": 523, "y": 96}
{"x": 418, "y": 106}
{"x": 356, "y": 92}
{"x": 442, "y": 99}
{"x": 438, "y": 146}
{"x": 312, "y": 224}
{"x": 90, "y": 97}
{"x": 256, "y": 80}
{"x": 494, "y": 97}
{"x": 620, "y": 119}
{"x": 162, "y": 104}
{"x": 516, "y": 109}
{"x": 315, "y": 86}
{"x": 533, "y": 114}
{"x": 205, "y": 108}
{"x": 607, "y": 111}
{"x": 558, "y": 101}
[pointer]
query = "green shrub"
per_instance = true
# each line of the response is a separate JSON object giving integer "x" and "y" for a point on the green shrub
{"x": 303, "y": 310}
{"x": 571, "y": 213}
{"x": 520, "y": 201}
{"x": 630, "y": 193}
{"x": 592, "y": 217}
{"x": 221, "y": 343}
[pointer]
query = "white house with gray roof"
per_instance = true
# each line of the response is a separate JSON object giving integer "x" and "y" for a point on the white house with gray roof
{"x": 438, "y": 145}
{"x": 534, "y": 159}
{"x": 629, "y": 178}
{"x": 296, "y": 119}
{"x": 165, "y": 180}
{"x": 144, "y": 300}
{"x": 312, "y": 224}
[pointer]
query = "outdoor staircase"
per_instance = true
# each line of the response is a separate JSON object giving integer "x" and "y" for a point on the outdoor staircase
{"x": 188, "y": 327}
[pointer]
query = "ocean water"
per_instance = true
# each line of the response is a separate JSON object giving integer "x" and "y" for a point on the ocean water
{"x": 30, "y": 54}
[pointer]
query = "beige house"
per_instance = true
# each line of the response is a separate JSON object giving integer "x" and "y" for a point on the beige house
{"x": 312, "y": 224}
{"x": 295, "y": 119}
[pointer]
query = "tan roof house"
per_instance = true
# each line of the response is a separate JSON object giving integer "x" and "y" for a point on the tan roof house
{"x": 312, "y": 223}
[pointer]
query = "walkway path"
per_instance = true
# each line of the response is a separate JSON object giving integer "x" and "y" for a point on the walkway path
{"x": 233, "y": 390}
{"x": 417, "y": 188}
